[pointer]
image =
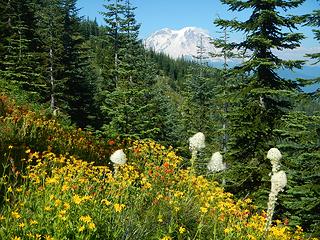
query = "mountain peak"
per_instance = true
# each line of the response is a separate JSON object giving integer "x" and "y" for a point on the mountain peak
{"x": 163, "y": 31}
{"x": 182, "y": 42}
{"x": 194, "y": 29}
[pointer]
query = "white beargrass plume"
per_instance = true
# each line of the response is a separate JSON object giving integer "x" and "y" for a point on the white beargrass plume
{"x": 278, "y": 183}
{"x": 118, "y": 158}
{"x": 196, "y": 143}
{"x": 216, "y": 163}
{"x": 274, "y": 155}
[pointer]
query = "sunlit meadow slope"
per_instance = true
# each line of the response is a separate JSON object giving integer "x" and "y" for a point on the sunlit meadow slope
{"x": 52, "y": 194}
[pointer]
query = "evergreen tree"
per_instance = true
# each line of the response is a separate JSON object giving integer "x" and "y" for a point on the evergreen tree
{"x": 89, "y": 28}
{"x": 176, "y": 69}
{"x": 115, "y": 33}
{"x": 199, "y": 96}
{"x": 14, "y": 43}
{"x": 78, "y": 76}
{"x": 50, "y": 29}
{"x": 225, "y": 89}
{"x": 202, "y": 54}
{"x": 300, "y": 203}
{"x": 313, "y": 19}
{"x": 263, "y": 95}
{"x": 199, "y": 111}
{"x": 167, "y": 112}
{"x": 126, "y": 91}
{"x": 19, "y": 59}
{"x": 300, "y": 129}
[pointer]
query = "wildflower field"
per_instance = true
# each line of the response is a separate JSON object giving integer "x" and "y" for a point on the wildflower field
{"x": 53, "y": 194}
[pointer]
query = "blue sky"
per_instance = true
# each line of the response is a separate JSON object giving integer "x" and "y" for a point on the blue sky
{"x": 176, "y": 14}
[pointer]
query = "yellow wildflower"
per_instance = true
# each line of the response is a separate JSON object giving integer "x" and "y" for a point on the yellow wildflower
{"x": 62, "y": 214}
{"x": 33, "y": 222}
{"x": 166, "y": 238}
{"x": 86, "y": 198}
{"x": 51, "y": 180}
{"x": 159, "y": 196}
{"x": 15, "y": 215}
{"x": 182, "y": 230}
{"x": 178, "y": 194}
{"x": 86, "y": 219}
{"x": 47, "y": 237}
{"x": 16, "y": 238}
{"x": 227, "y": 230}
{"x": 91, "y": 226}
{"x": 118, "y": 207}
{"x": 81, "y": 229}
{"x": 35, "y": 155}
{"x": 147, "y": 185}
{"x": 22, "y": 225}
{"x": 106, "y": 202}
{"x": 64, "y": 188}
{"x": 10, "y": 189}
{"x": 83, "y": 180}
{"x": 29, "y": 235}
{"x": 76, "y": 199}
{"x": 299, "y": 229}
{"x": 203, "y": 209}
{"x": 66, "y": 206}
{"x": 2, "y": 217}
{"x": 10, "y": 147}
{"x": 57, "y": 202}
{"x": 47, "y": 208}
{"x": 251, "y": 237}
{"x": 278, "y": 232}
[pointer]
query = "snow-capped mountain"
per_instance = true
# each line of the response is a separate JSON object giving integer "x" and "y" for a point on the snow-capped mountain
{"x": 180, "y": 43}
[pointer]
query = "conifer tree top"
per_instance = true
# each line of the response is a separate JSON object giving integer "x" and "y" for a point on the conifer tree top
{"x": 265, "y": 31}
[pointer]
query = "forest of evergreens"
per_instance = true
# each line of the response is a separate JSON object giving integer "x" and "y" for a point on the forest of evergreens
{"x": 72, "y": 72}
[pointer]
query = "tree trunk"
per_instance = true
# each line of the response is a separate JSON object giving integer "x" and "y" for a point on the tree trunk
{"x": 52, "y": 101}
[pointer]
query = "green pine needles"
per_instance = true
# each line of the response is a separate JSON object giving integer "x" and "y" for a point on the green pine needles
{"x": 263, "y": 96}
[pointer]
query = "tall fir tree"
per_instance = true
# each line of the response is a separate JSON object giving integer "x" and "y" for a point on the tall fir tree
{"x": 114, "y": 19}
{"x": 126, "y": 90}
{"x": 199, "y": 96}
{"x": 225, "y": 87}
{"x": 50, "y": 29}
{"x": 198, "y": 110}
{"x": 263, "y": 95}
{"x": 300, "y": 203}
{"x": 19, "y": 62}
{"x": 313, "y": 20}
{"x": 77, "y": 73}
{"x": 300, "y": 129}
{"x": 198, "y": 93}
{"x": 89, "y": 28}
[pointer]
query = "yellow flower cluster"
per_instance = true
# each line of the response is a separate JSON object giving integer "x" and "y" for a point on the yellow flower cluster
{"x": 37, "y": 128}
{"x": 63, "y": 197}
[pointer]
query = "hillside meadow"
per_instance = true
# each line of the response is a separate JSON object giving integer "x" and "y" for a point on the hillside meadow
{"x": 58, "y": 183}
